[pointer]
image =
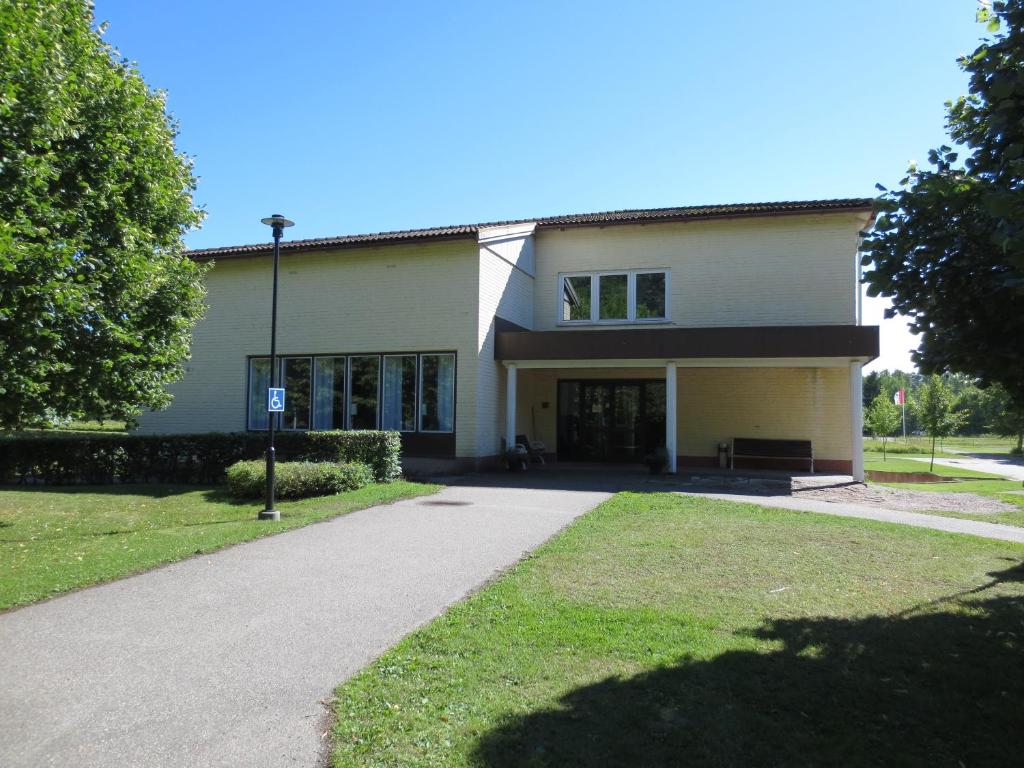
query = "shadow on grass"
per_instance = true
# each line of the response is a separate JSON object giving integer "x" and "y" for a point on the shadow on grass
{"x": 945, "y": 687}
{"x": 153, "y": 491}
{"x": 220, "y": 495}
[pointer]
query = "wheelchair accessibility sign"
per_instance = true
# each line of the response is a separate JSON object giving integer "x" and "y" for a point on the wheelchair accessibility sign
{"x": 275, "y": 399}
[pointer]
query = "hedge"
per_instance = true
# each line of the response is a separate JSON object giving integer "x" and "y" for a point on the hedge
{"x": 195, "y": 459}
{"x": 296, "y": 479}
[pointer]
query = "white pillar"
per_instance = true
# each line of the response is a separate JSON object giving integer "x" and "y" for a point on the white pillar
{"x": 857, "y": 422}
{"x": 510, "y": 405}
{"x": 670, "y": 414}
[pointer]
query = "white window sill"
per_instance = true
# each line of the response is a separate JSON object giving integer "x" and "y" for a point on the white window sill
{"x": 592, "y": 323}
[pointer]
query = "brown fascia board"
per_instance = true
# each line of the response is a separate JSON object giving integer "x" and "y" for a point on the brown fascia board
{"x": 324, "y": 244}
{"x": 603, "y": 219}
{"x": 716, "y": 216}
{"x": 779, "y": 341}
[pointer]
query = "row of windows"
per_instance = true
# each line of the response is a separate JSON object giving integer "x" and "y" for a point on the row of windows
{"x": 407, "y": 393}
{"x": 614, "y": 297}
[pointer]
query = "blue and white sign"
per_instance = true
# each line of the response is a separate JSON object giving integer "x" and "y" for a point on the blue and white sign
{"x": 275, "y": 399}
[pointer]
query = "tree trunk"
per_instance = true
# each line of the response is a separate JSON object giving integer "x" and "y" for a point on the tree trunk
{"x": 883, "y": 448}
{"x": 931, "y": 466}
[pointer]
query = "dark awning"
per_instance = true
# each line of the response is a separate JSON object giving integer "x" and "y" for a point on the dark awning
{"x": 776, "y": 341}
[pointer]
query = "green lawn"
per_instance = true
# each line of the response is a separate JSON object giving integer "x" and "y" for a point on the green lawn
{"x": 994, "y": 486}
{"x": 922, "y": 446}
{"x": 56, "y": 539}
{"x": 661, "y": 630}
{"x": 899, "y": 464}
{"x": 1009, "y": 491}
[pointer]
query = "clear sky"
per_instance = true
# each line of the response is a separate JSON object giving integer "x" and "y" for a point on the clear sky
{"x": 362, "y": 117}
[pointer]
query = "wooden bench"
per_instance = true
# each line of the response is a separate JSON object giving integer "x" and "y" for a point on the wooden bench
{"x": 757, "y": 448}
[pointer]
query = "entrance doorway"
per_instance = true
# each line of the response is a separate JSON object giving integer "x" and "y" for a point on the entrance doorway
{"x": 618, "y": 420}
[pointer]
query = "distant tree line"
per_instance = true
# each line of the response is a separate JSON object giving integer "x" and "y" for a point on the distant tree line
{"x": 988, "y": 410}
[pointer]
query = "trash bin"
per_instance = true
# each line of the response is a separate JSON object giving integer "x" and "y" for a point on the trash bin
{"x": 723, "y": 455}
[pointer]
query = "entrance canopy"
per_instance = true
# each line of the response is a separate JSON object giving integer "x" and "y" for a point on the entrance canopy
{"x": 604, "y": 412}
{"x": 856, "y": 343}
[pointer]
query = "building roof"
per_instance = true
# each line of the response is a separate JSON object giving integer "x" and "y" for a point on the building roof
{"x": 605, "y": 218}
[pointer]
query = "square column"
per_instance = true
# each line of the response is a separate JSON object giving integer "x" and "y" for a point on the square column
{"x": 670, "y": 414}
{"x": 857, "y": 422}
{"x": 510, "y": 405}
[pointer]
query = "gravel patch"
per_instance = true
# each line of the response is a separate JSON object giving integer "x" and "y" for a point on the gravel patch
{"x": 900, "y": 498}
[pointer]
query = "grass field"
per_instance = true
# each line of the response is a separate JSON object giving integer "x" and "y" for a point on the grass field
{"x": 661, "y": 630}
{"x": 56, "y": 539}
{"x": 994, "y": 486}
{"x": 900, "y": 464}
{"x": 922, "y": 446}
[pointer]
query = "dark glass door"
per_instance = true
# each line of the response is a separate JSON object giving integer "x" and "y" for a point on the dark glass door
{"x": 610, "y": 420}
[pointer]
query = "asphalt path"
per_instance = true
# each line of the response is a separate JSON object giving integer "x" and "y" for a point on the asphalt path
{"x": 226, "y": 659}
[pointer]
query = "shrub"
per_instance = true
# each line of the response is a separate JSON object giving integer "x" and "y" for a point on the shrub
{"x": 379, "y": 450}
{"x": 296, "y": 479}
{"x": 195, "y": 459}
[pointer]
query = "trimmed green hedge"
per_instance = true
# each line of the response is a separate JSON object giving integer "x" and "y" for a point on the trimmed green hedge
{"x": 296, "y": 479}
{"x": 195, "y": 459}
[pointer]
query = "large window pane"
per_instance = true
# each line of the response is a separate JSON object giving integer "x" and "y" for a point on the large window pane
{"x": 437, "y": 393}
{"x": 650, "y": 295}
{"x": 365, "y": 382}
{"x": 329, "y": 393}
{"x": 613, "y": 301}
{"x": 398, "y": 405}
{"x": 576, "y": 298}
{"x": 259, "y": 382}
{"x": 295, "y": 375}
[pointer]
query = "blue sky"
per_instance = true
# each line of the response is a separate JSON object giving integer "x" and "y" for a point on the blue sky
{"x": 366, "y": 117}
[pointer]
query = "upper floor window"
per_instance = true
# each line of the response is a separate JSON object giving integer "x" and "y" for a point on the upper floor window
{"x": 639, "y": 296}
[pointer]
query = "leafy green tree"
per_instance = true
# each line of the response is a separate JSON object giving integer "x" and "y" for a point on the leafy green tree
{"x": 872, "y": 386}
{"x": 97, "y": 299}
{"x": 971, "y": 402}
{"x": 1006, "y": 418}
{"x": 948, "y": 246}
{"x": 882, "y": 418}
{"x": 934, "y": 409}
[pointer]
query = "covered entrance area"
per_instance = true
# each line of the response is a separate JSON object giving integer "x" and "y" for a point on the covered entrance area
{"x": 617, "y": 421}
{"x": 618, "y": 395}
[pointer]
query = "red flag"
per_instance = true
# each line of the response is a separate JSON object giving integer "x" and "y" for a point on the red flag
{"x": 900, "y": 398}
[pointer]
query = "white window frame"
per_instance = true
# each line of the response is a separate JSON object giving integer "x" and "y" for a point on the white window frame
{"x": 415, "y": 391}
{"x": 348, "y": 389}
{"x": 280, "y": 379}
{"x": 345, "y": 406}
{"x": 419, "y": 393}
{"x": 595, "y": 297}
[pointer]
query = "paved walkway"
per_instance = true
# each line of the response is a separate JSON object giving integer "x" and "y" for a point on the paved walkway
{"x": 917, "y": 519}
{"x": 994, "y": 463}
{"x": 223, "y": 660}
{"x": 759, "y": 490}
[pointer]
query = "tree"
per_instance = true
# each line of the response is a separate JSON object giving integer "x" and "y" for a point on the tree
{"x": 1007, "y": 419}
{"x": 872, "y": 386}
{"x": 97, "y": 299}
{"x": 948, "y": 246}
{"x": 882, "y": 418}
{"x": 934, "y": 409}
{"x": 973, "y": 402}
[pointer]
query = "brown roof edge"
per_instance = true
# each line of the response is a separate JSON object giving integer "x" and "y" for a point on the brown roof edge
{"x": 601, "y": 219}
{"x": 334, "y": 243}
{"x": 854, "y": 341}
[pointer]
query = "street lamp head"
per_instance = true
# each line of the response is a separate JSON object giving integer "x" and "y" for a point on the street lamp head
{"x": 277, "y": 221}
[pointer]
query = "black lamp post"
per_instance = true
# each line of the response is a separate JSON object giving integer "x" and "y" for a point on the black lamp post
{"x": 277, "y": 222}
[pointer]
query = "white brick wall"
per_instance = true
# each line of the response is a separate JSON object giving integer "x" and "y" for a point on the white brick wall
{"x": 717, "y": 404}
{"x": 444, "y": 296}
{"x": 786, "y": 270}
{"x": 407, "y": 298}
{"x": 506, "y": 290}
